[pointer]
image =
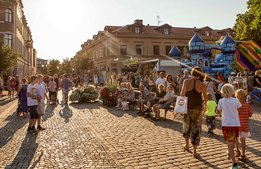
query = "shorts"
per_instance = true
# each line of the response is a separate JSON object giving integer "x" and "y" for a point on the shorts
{"x": 33, "y": 112}
{"x": 230, "y": 133}
{"x": 244, "y": 134}
{"x": 40, "y": 108}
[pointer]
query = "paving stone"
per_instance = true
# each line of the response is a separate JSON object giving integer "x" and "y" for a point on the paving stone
{"x": 91, "y": 136}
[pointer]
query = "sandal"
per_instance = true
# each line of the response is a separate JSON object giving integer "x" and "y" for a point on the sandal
{"x": 243, "y": 158}
{"x": 196, "y": 155}
{"x": 238, "y": 153}
{"x": 186, "y": 149}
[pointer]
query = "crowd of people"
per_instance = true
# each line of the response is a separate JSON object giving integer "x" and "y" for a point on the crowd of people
{"x": 228, "y": 98}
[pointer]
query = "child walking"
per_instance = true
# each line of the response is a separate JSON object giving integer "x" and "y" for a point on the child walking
{"x": 229, "y": 106}
{"x": 244, "y": 113}
{"x": 210, "y": 114}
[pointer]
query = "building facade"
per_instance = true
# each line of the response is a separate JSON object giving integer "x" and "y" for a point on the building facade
{"x": 42, "y": 66}
{"x": 15, "y": 32}
{"x": 113, "y": 48}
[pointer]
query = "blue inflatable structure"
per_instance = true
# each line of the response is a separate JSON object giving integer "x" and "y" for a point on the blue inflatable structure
{"x": 201, "y": 55}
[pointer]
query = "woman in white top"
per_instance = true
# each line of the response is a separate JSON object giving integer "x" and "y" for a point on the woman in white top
{"x": 210, "y": 86}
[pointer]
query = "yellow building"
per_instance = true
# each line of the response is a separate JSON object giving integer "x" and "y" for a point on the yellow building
{"x": 15, "y": 32}
{"x": 115, "y": 46}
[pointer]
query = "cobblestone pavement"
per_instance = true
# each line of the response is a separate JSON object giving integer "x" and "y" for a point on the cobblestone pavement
{"x": 92, "y": 136}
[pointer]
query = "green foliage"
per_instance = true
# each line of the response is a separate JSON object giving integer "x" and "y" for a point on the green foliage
{"x": 66, "y": 66}
{"x": 53, "y": 67}
{"x": 82, "y": 62}
{"x": 248, "y": 25}
{"x": 8, "y": 58}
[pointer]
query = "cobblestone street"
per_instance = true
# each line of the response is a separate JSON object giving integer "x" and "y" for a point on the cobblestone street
{"x": 92, "y": 136}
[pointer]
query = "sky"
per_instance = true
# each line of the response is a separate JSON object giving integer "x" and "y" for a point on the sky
{"x": 59, "y": 27}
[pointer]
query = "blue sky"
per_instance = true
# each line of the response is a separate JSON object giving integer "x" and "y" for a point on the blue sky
{"x": 59, "y": 27}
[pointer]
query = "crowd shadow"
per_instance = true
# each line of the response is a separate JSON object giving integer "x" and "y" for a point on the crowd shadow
{"x": 66, "y": 113}
{"x": 49, "y": 112}
{"x": 26, "y": 152}
{"x": 14, "y": 123}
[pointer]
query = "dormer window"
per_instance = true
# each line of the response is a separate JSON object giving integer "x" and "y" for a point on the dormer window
{"x": 166, "y": 31}
{"x": 206, "y": 33}
{"x": 137, "y": 30}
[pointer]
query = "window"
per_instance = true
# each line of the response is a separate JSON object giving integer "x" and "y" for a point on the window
{"x": 8, "y": 15}
{"x": 123, "y": 49}
{"x": 156, "y": 50}
{"x": 166, "y": 31}
{"x": 8, "y": 39}
{"x": 168, "y": 48}
{"x": 139, "y": 49}
{"x": 206, "y": 33}
{"x": 137, "y": 30}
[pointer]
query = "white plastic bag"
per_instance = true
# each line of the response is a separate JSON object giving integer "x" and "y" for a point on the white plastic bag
{"x": 181, "y": 105}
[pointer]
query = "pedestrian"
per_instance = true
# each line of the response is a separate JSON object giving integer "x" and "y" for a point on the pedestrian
{"x": 13, "y": 87}
{"x": 193, "y": 88}
{"x": 65, "y": 85}
{"x": 245, "y": 111}
{"x": 22, "y": 96}
{"x": 210, "y": 113}
{"x": 8, "y": 86}
{"x": 95, "y": 80}
{"x": 228, "y": 106}
{"x": 32, "y": 103}
{"x": 41, "y": 90}
{"x": 210, "y": 87}
{"x": 144, "y": 98}
{"x": 52, "y": 90}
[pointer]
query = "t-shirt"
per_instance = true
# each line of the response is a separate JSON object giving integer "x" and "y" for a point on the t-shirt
{"x": 32, "y": 101}
{"x": 169, "y": 97}
{"x": 160, "y": 81}
{"x": 66, "y": 84}
{"x": 229, "y": 107}
{"x": 52, "y": 86}
{"x": 41, "y": 90}
{"x": 211, "y": 108}
{"x": 244, "y": 113}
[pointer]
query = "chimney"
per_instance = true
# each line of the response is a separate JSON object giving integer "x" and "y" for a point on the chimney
{"x": 139, "y": 21}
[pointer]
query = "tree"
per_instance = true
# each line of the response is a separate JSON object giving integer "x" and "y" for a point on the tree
{"x": 66, "y": 66}
{"x": 82, "y": 62}
{"x": 8, "y": 58}
{"x": 53, "y": 67}
{"x": 248, "y": 25}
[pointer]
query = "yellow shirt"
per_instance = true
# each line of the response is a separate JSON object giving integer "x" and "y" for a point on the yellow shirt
{"x": 211, "y": 108}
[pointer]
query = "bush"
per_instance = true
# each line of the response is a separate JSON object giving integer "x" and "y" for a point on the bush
{"x": 84, "y": 94}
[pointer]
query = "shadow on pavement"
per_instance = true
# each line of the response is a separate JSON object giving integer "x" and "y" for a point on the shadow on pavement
{"x": 88, "y": 105}
{"x": 66, "y": 113}
{"x": 49, "y": 112}
{"x": 14, "y": 123}
{"x": 26, "y": 152}
{"x": 5, "y": 101}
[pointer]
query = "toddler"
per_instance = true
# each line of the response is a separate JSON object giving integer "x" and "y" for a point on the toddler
{"x": 210, "y": 113}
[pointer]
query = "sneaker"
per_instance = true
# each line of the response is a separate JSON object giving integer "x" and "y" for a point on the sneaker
{"x": 40, "y": 128}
